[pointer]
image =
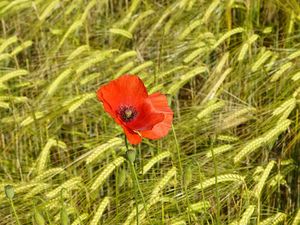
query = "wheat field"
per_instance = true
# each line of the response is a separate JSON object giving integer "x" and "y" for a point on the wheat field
{"x": 231, "y": 73}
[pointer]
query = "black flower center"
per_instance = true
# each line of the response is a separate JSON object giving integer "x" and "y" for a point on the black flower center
{"x": 127, "y": 113}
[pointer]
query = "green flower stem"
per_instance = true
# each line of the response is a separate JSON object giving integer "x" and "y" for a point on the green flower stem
{"x": 136, "y": 185}
{"x": 14, "y": 210}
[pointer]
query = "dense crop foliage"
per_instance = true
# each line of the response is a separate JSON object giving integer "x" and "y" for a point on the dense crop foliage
{"x": 231, "y": 70}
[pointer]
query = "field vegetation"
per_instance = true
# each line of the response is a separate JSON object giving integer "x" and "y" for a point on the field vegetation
{"x": 231, "y": 71}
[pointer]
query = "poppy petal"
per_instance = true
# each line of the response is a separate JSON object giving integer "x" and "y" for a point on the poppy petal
{"x": 108, "y": 108}
{"x": 126, "y": 90}
{"x": 146, "y": 118}
{"x": 160, "y": 104}
{"x": 131, "y": 136}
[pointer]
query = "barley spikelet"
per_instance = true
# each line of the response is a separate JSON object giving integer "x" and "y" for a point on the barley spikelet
{"x": 41, "y": 164}
{"x": 285, "y": 114}
{"x": 55, "y": 84}
{"x": 152, "y": 202}
{"x": 183, "y": 4}
{"x": 185, "y": 78}
{"x": 252, "y": 38}
{"x": 20, "y": 48}
{"x": 191, "y": 4}
{"x": 100, "y": 150}
{"x": 192, "y": 26}
{"x": 243, "y": 51}
{"x": 48, "y": 174}
{"x": 49, "y": 9}
{"x": 180, "y": 222}
{"x": 17, "y": 4}
{"x": 294, "y": 55}
{"x": 138, "y": 20}
{"x": 272, "y": 62}
{"x": 160, "y": 22}
{"x": 28, "y": 120}
{"x": 155, "y": 160}
{"x": 233, "y": 123}
{"x": 261, "y": 60}
{"x": 166, "y": 73}
{"x": 53, "y": 204}
{"x": 227, "y": 35}
{"x": 132, "y": 215}
{"x": 70, "y": 184}
{"x": 89, "y": 78}
{"x": 217, "y": 85}
{"x": 199, "y": 206}
{"x": 25, "y": 187}
{"x": 227, "y": 138}
{"x": 141, "y": 67}
{"x": 4, "y": 105}
{"x": 239, "y": 113}
{"x": 76, "y": 25}
{"x": 13, "y": 74}
{"x": 296, "y": 76}
{"x": 121, "y": 32}
{"x": 274, "y": 220}
{"x": 124, "y": 69}
{"x": 247, "y": 215}
{"x": 222, "y": 62}
{"x": 277, "y": 130}
{"x": 100, "y": 210}
{"x": 156, "y": 88}
{"x": 296, "y": 93}
{"x": 15, "y": 99}
{"x": 78, "y": 51}
{"x": 82, "y": 99}
{"x": 124, "y": 56}
{"x": 209, "y": 109}
{"x": 277, "y": 179}
{"x": 296, "y": 220}
{"x": 261, "y": 183}
{"x": 220, "y": 179}
{"x": 4, "y": 56}
{"x": 106, "y": 173}
{"x": 246, "y": 46}
{"x": 80, "y": 219}
{"x": 194, "y": 54}
{"x": 281, "y": 70}
{"x": 96, "y": 58}
{"x": 212, "y": 8}
{"x": 8, "y": 42}
{"x": 163, "y": 182}
{"x": 218, "y": 150}
{"x": 89, "y": 6}
{"x": 37, "y": 190}
{"x": 250, "y": 147}
{"x": 235, "y": 222}
{"x": 133, "y": 7}
{"x": 285, "y": 105}
{"x": 287, "y": 162}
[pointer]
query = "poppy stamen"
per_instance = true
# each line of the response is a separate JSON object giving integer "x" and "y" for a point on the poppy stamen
{"x": 127, "y": 113}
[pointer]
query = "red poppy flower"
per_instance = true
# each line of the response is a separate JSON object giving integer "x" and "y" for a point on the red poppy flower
{"x": 139, "y": 114}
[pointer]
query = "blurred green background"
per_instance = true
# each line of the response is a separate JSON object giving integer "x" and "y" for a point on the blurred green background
{"x": 231, "y": 71}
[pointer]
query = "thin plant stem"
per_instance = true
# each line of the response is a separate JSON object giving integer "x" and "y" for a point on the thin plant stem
{"x": 184, "y": 189}
{"x": 136, "y": 184}
{"x": 178, "y": 153}
{"x": 14, "y": 210}
{"x": 216, "y": 186}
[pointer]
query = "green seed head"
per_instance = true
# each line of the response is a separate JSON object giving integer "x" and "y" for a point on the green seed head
{"x": 9, "y": 191}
